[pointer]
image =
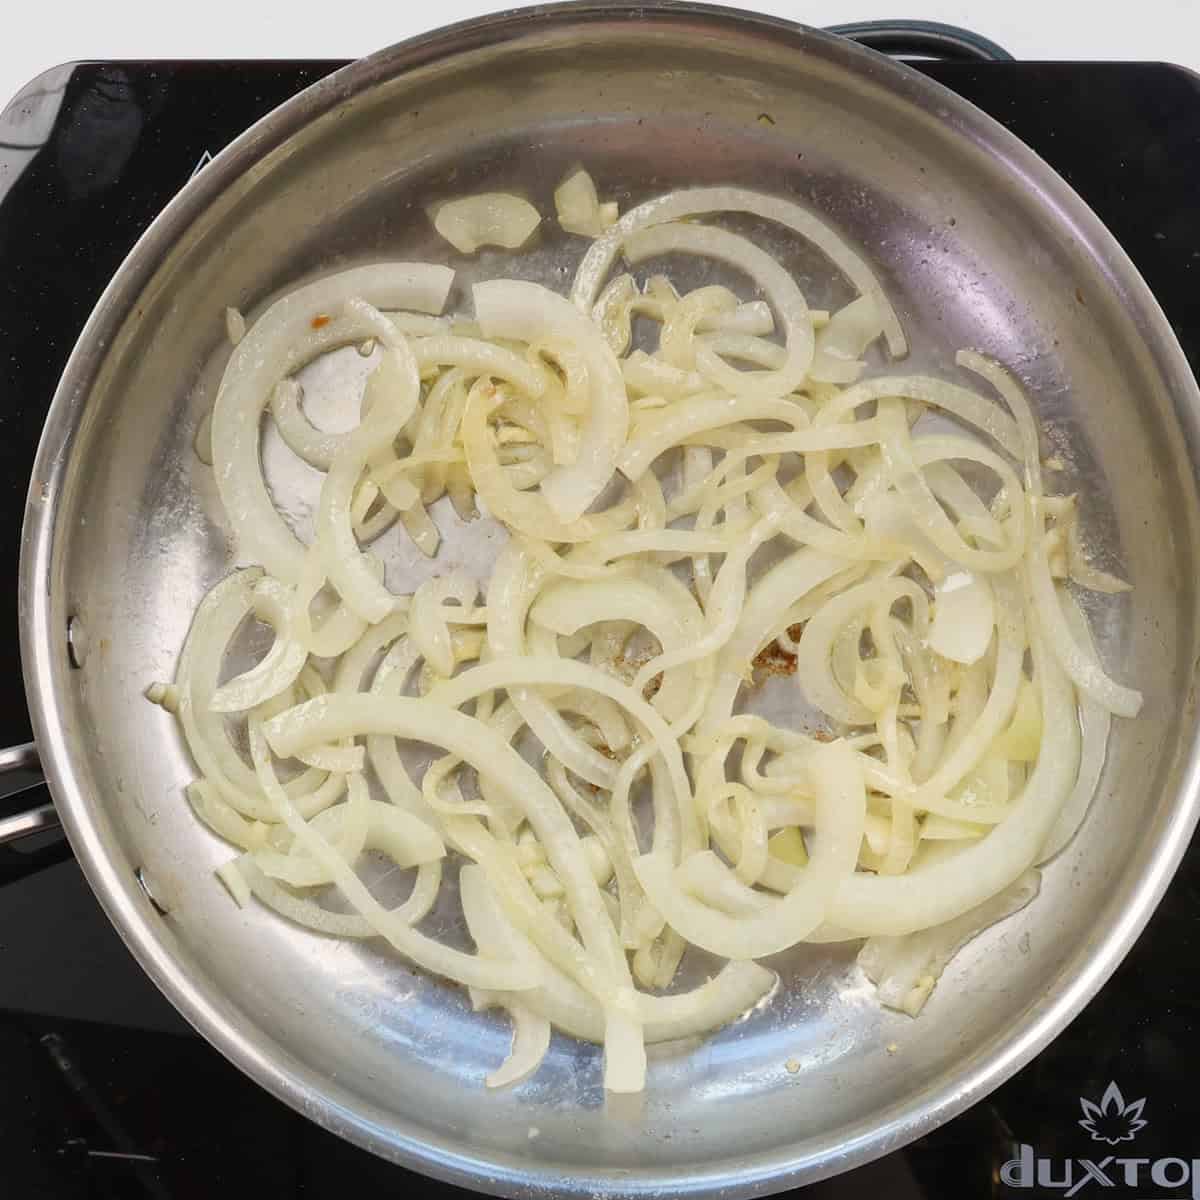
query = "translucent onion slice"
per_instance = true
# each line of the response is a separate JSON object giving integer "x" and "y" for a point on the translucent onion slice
{"x": 677, "y": 342}
{"x": 764, "y": 616}
{"x": 526, "y": 671}
{"x": 267, "y": 354}
{"x": 752, "y": 319}
{"x": 406, "y": 839}
{"x": 905, "y": 969}
{"x": 339, "y": 629}
{"x": 538, "y": 921}
{"x": 735, "y": 989}
{"x": 944, "y": 890}
{"x": 1094, "y": 721}
{"x": 722, "y": 609}
{"x": 963, "y": 755}
{"x": 964, "y": 615}
{"x": 578, "y": 206}
{"x": 492, "y": 219}
{"x": 316, "y": 446}
{"x": 345, "y": 825}
{"x": 527, "y": 312}
{"x": 338, "y": 716}
{"x": 780, "y": 287}
{"x": 530, "y": 1041}
{"x": 698, "y": 415}
{"x": 693, "y": 202}
{"x": 424, "y": 951}
{"x": 217, "y": 620}
{"x": 756, "y": 351}
{"x": 434, "y": 345}
{"x": 653, "y": 377}
{"x": 816, "y": 648}
{"x": 392, "y": 393}
{"x": 841, "y": 343}
{"x": 280, "y": 667}
{"x": 1085, "y": 671}
{"x": 653, "y": 598}
{"x": 308, "y": 913}
{"x": 223, "y": 819}
{"x": 613, "y": 313}
{"x": 429, "y": 617}
{"x": 841, "y": 811}
{"x": 900, "y": 454}
{"x": 476, "y": 357}
{"x": 515, "y": 582}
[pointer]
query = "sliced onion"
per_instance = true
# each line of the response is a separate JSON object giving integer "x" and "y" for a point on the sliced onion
{"x": 280, "y": 667}
{"x": 654, "y": 599}
{"x": 424, "y": 951}
{"x": 530, "y": 1041}
{"x": 218, "y": 618}
{"x": 579, "y": 208}
{"x": 700, "y": 201}
{"x": 266, "y": 355}
{"x": 528, "y": 671}
{"x": 476, "y": 357}
{"x": 392, "y": 393}
{"x": 841, "y": 809}
{"x": 964, "y": 615}
{"x": 235, "y": 326}
{"x": 943, "y": 891}
{"x": 785, "y": 297}
{"x": 731, "y": 992}
{"x": 429, "y": 619}
{"x": 491, "y": 219}
{"x": 753, "y": 319}
{"x": 905, "y": 969}
{"x": 531, "y": 313}
{"x": 344, "y": 716}
{"x": 1084, "y": 670}
{"x": 1094, "y": 721}
{"x": 308, "y": 913}
{"x": 768, "y": 519}
{"x": 841, "y": 343}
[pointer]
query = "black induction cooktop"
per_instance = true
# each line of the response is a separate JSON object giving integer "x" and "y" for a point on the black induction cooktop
{"x": 105, "y": 1092}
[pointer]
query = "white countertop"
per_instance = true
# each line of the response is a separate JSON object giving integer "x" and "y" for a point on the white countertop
{"x": 39, "y": 35}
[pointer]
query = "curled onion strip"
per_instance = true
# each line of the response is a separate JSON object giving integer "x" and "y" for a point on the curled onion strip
{"x": 530, "y": 313}
{"x": 781, "y": 289}
{"x": 841, "y": 810}
{"x": 424, "y": 951}
{"x": 266, "y": 355}
{"x": 693, "y": 202}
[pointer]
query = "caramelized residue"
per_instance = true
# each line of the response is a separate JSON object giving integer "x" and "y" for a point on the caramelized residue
{"x": 628, "y": 665}
{"x": 774, "y": 660}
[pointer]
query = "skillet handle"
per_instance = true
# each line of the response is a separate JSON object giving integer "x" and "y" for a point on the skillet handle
{"x": 34, "y": 820}
{"x": 924, "y": 39}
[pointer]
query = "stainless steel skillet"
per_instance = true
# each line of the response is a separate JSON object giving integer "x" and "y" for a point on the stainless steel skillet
{"x": 980, "y": 243}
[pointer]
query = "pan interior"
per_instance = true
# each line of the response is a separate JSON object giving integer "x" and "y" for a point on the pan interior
{"x": 975, "y": 250}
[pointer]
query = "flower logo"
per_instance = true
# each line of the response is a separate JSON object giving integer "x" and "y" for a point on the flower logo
{"x": 1112, "y": 1120}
